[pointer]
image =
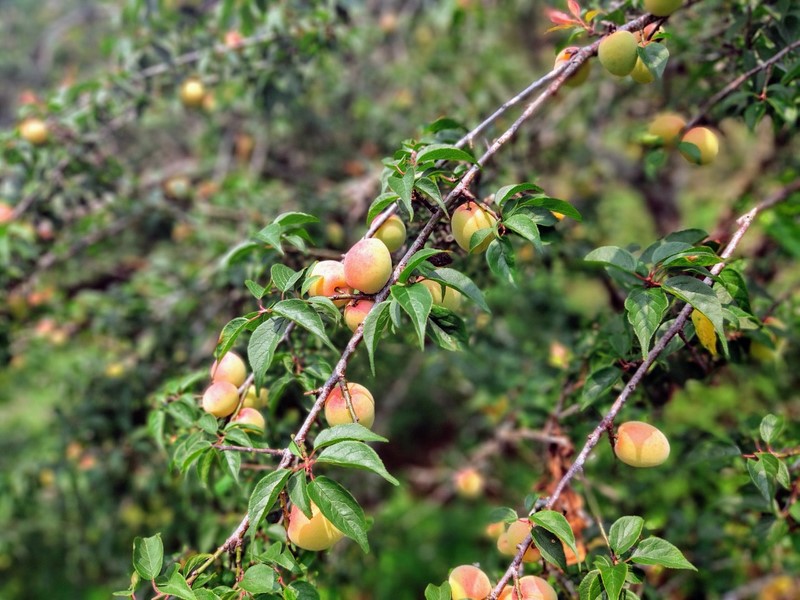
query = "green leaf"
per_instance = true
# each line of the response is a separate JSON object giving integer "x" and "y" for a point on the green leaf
{"x": 509, "y": 191}
{"x": 302, "y": 590}
{"x": 447, "y": 329}
{"x": 419, "y": 257}
{"x": 176, "y": 585}
{"x": 770, "y": 428}
{"x": 614, "y": 579}
{"x": 298, "y": 492}
{"x": 373, "y": 327}
{"x": 290, "y": 219}
{"x": 598, "y": 384}
{"x": 284, "y": 277}
{"x": 340, "y": 508}
{"x": 624, "y": 533}
{"x": 655, "y": 551}
{"x": 654, "y": 57}
{"x": 504, "y": 514}
{"x": 258, "y": 579}
{"x": 646, "y": 307}
{"x": 693, "y": 257}
{"x": 662, "y": 250}
{"x": 264, "y": 496}
{"x": 348, "y": 431}
{"x": 612, "y": 256}
{"x": 500, "y": 258}
{"x": 271, "y": 235}
{"x": 304, "y": 315}
{"x": 456, "y": 279}
{"x": 428, "y": 187}
{"x": 441, "y": 592}
{"x": 555, "y": 523}
{"x": 403, "y": 186}
{"x": 550, "y": 547}
{"x": 233, "y": 461}
{"x": 416, "y": 301}
{"x": 148, "y": 556}
{"x": 526, "y": 227}
{"x": 701, "y": 297}
{"x": 436, "y": 152}
{"x": 590, "y": 587}
{"x": 733, "y": 281}
{"x": 229, "y": 334}
{"x": 258, "y": 291}
{"x": 355, "y": 455}
{"x": 380, "y": 203}
{"x": 261, "y": 349}
{"x": 762, "y": 472}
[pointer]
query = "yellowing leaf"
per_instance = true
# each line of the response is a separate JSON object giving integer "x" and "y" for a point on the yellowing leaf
{"x": 592, "y": 14}
{"x": 705, "y": 331}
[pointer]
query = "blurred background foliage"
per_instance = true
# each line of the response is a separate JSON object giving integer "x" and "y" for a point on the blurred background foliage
{"x": 120, "y": 275}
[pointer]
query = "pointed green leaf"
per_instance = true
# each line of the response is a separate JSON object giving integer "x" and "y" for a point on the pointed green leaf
{"x": 456, "y": 279}
{"x": 555, "y": 205}
{"x": 340, "y": 508}
{"x": 662, "y": 250}
{"x": 613, "y": 256}
{"x": 655, "y": 551}
{"x": 770, "y": 428}
{"x": 441, "y": 592}
{"x": 428, "y": 187}
{"x": 373, "y": 327}
{"x": 646, "y": 308}
{"x": 283, "y": 277}
{"x": 555, "y": 523}
{"x": 436, "y": 152}
{"x": 736, "y": 286}
{"x": 304, "y": 315}
{"x": 654, "y": 57}
{"x": 624, "y": 533}
{"x": 762, "y": 473}
{"x": 701, "y": 297}
{"x": 380, "y": 203}
{"x": 257, "y": 290}
{"x": 509, "y": 191}
{"x": 271, "y": 235}
{"x": 526, "y": 227}
{"x": 590, "y": 587}
{"x": 291, "y": 219}
{"x": 348, "y": 431}
{"x": 403, "y": 186}
{"x": 264, "y": 496}
{"x": 419, "y": 257}
{"x": 416, "y": 301}
{"x": 598, "y": 384}
{"x": 229, "y": 334}
{"x": 262, "y": 345}
{"x": 500, "y": 258}
{"x": 148, "y": 556}
{"x": 175, "y": 585}
{"x": 258, "y": 579}
{"x": 614, "y": 579}
{"x": 550, "y": 547}
{"x": 298, "y": 492}
{"x": 355, "y": 455}
{"x": 233, "y": 461}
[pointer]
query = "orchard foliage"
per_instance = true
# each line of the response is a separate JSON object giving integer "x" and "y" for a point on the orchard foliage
{"x": 541, "y": 348}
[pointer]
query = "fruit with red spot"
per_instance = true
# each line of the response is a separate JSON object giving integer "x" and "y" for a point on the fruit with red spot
{"x": 361, "y": 400}
{"x": 230, "y": 368}
{"x": 530, "y": 588}
{"x": 355, "y": 313}
{"x": 250, "y": 419}
{"x": 330, "y": 280}
{"x": 468, "y": 582}
{"x": 512, "y": 537}
{"x": 641, "y": 445}
{"x": 220, "y": 399}
{"x": 368, "y": 266}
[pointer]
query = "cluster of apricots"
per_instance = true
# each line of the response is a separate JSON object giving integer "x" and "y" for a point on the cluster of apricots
{"x": 221, "y": 398}
{"x": 668, "y": 130}
{"x": 468, "y": 582}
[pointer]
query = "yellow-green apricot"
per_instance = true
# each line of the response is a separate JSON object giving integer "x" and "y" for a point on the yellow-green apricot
{"x": 330, "y": 282}
{"x": 34, "y": 131}
{"x": 509, "y": 540}
{"x": 230, "y": 368}
{"x": 469, "y": 583}
{"x": 220, "y": 399}
{"x": 531, "y": 587}
{"x": 392, "y": 233}
{"x": 579, "y": 76}
{"x": 469, "y": 482}
{"x": 667, "y": 127}
{"x": 192, "y": 92}
{"x": 450, "y": 298}
{"x": 368, "y": 266}
{"x": 706, "y": 142}
{"x": 641, "y": 445}
{"x": 250, "y": 419}
{"x": 356, "y": 311}
{"x": 316, "y": 533}
{"x": 662, "y": 8}
{"x": 251, "y": 400}
{"x": 468, "y": 219}
{"x": 640, "y": 73}
{"x": 617, "y": 53}
{"x": 337, "y": 413}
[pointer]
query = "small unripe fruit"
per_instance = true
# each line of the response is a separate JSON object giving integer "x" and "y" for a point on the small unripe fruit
{"x": 6, "y": 212}
{"x": 34, "y": 131}
{"x": 368, "y": 266}
{"x": 509, "y": 540}
{"x": 579, "y": 76}
{"x": 316, "y": 533}
{"x": 469, "y": 583}
{"x": 468, "y": 219}
{"x": 221, "y": 399}
{"x": 662, "y": 8}
{"x": 233, "y": 39}
{"x": 253, "y": 401}
{"x": 192, "y": 92}
{"x": 531, "y": 587}
{"x": 641, "y": 445}
{"x": 392, "y": 233}
{"x": 250, "y": 419}
{"x": 355, "y": 313}
{"x": 469, "y": 482}
{"x": 331, "y": 280}
{"x": 641, "y": 74}
{"x": 494, "y": 530}
{"x": 706, "y": 142}
{"x": 617, "y": 53}
{"x": 337, "y": 413}
{"x": 447, "y": 297}
{"x": 230, "y": 368}
{"x": 667, "y": 127}
{"x": 178, "y": 187}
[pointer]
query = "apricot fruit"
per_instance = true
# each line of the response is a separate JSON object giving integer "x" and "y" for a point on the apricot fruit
{"x": 469, "y": 583}
{"x": 442, "y": 295}
{"x": 640, "y": 73}
{"x": 330, "y": 280}
{"x": 468, "y": 219}
{"x": 316, "y": 533}
{"x": 392, "y": 233}
{"x": 220, "y": 399}
{"x": 368, "y": 266}
{"x": 579, "y": 76}
{"x": 469, "y": 482}
{"x": 250, "y": 419}
{"x": 192, "y": 92}
{"x": 6, "y": 212}
{"x": 667, "y": 127}
{"x": 34, "y": 131}
{"x": 251, "y": 400}
{"x": 641, "y": 445}
{"x": 355, "y": 313}
{"x": 508, "y": 541}
{"x": 706, "y": 142}
{"x": 531, "y": 588}
{"x": 617, "y": 53}
{"x": 337, "y": 413}
{"x": 230, "y": 368}
{"x": 662, "y": 8}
